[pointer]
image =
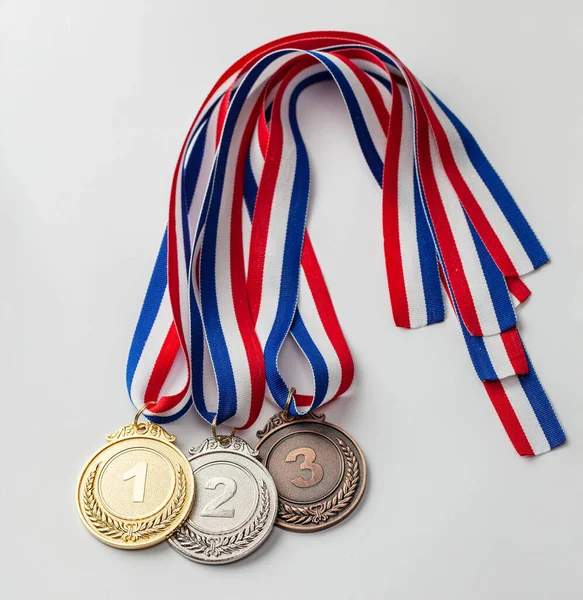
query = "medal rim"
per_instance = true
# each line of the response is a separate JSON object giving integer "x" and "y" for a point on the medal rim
{"x": 269, "y": 524}
{"x": 354, "y": 504}
{"x": 148, "y": 543}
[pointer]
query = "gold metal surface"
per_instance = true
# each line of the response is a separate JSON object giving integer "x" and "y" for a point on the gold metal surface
{"x": 138, "y": 489}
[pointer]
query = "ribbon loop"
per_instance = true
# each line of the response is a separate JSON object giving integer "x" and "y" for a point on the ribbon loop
{"x": 237, "y": 273}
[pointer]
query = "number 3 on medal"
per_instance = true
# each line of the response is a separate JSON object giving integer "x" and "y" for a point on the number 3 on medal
{"x": 308, "y": 464}
{"x": 138, "y": 474}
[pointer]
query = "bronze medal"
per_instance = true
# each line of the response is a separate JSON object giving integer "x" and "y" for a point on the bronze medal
{"x": 318, "y": 469}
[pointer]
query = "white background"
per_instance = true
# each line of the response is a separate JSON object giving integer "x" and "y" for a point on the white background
{"x": 95, "y": 98}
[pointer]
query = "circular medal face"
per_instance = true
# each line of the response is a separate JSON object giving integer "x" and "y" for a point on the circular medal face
{"x": 318, "y": 469}
{"x": 134, "y": 492}
{"x": 235, "y": 506}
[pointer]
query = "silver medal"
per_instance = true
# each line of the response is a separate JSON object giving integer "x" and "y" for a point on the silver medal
{"x": 235, "y": 506}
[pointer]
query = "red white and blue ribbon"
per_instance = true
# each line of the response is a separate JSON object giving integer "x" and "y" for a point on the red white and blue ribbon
{"x": 237, "y": 276}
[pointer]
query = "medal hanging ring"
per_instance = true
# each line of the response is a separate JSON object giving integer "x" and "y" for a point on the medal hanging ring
{"x": 285, "y": 415}
{"x": 223, "y": 440}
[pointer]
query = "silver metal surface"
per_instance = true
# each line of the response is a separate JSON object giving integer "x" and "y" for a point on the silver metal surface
{"x": 318, "y": 469}
{"x": 235, "y": 507}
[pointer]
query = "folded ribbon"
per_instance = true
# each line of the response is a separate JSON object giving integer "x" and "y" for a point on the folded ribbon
{"x": 230, "y": 284}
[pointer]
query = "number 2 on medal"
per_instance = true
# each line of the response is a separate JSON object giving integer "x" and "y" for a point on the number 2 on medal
{"x": 138, "y": 474}
{"x": 212, "y": 508}
{"x": 308, "y": 464}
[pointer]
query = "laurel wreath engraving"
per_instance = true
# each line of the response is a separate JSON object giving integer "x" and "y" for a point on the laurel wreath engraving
{"x": 131, "y": 531}
{"x": 321, "y": 512}
{"x": 216, "y": 546}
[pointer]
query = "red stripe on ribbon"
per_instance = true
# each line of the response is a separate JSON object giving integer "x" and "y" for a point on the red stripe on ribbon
{"x": 510, "y": 421}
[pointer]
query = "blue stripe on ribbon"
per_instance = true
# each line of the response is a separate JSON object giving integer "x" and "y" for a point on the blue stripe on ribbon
{"x": 430, "y": 276}
{"x": 227, "y": 391}
{"x": 496, "y": 281}
{"x": 542, "y": 407}
{"x": 383, "y": 80}
{"x": 292, "y": 256}
{"x": 190, "y": 175}
{"x": 161, "y": 420}
{"x": 289, "y": 286}
{"x": 478, "y": 351}
{"x": 475, "y": 344}
{"x": 149, "y": 311}
{"x": 499, "y": 191}
{"x": 197, "y": 342}
{"x": 434, "y": 304}
{"x": 298, "y": 328}
{"x": 367, "y": 147}
{"x": 250, "y": 187}
{"x": 159, "y": 279}
{"x": 316, "y": 360}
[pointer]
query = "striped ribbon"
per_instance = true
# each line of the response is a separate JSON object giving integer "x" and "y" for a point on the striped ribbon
{"x": 237, "y": 275}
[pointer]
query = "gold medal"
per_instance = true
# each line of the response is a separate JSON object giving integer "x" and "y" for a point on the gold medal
{"x": 138, "y": 489}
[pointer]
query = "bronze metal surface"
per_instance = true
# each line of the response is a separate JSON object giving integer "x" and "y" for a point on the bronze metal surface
{"x": 318, "y": 469}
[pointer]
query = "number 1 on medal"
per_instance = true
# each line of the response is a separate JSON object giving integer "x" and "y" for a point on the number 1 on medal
{"x": 138, "y": 473}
